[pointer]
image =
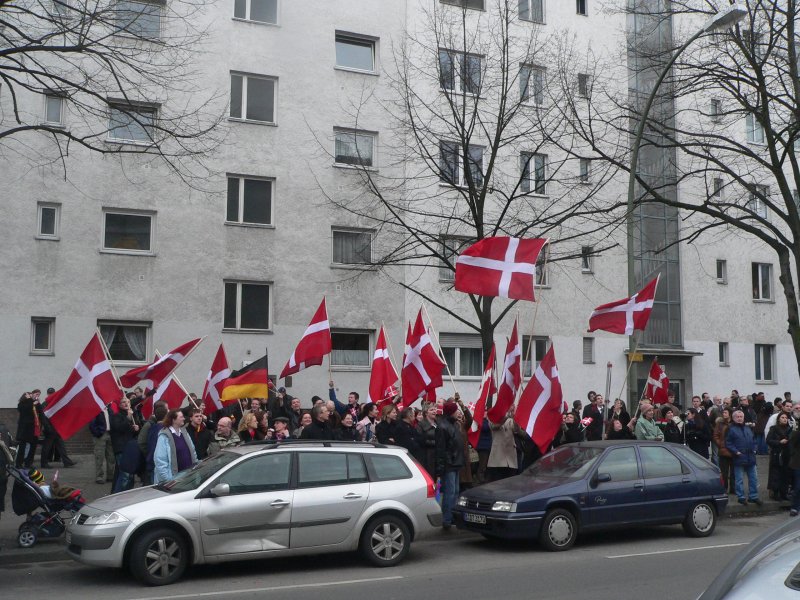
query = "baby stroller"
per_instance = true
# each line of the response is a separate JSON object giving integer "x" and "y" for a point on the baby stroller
{"x": 47, "y": 508}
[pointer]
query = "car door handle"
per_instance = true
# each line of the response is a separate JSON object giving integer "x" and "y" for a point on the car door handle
{"x": 352, "y": 496}
{"x": 686, "y": 480}
{"x": 279, "y": 503}
{"x": 639, "y": 485}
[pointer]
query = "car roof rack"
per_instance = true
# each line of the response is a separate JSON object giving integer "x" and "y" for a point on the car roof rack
{"x": 323, "y": 443}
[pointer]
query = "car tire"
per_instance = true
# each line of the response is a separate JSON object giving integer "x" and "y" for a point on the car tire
{"x": 159, "y": 557}
{"x": 559, "y": 530}
{"x": 701, "y": 520}
{"x": 385, "y": 540}
{"x": 27, "y": 537}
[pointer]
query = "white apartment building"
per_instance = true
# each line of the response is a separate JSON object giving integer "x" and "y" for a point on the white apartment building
{"x": 124, "y": 245}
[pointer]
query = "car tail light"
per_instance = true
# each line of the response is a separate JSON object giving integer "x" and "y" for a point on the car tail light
{"x": 722, "y": 481}
{"x": 428, "y": 479}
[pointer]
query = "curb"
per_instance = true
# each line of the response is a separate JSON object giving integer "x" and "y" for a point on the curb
{"x": 20, "y": 556}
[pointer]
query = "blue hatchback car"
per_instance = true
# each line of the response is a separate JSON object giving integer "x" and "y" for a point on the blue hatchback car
{"x": 597, "y": 485}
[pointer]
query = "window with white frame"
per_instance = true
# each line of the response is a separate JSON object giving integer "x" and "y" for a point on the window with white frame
{"x": 43, "y": 335}
{"x": 585, "y": 170}
{"x": 127, "y": 341}
{"x": 722, "y": 271}
{"x": 531, "y": 10}
{"x": 762, "y": 281}
{"x": 765, "y": 363}
{"x": 724, "y": 354}
{"x": 354, "y": 148}
{"x": 531, "y": 84}
{"x": 717, "y": 185}
{"x": 355, "y": 52}
{"x": 128, "y": 232}
{"x": 261, "y": 11}
{"x": 582, "y": 7}
{"x": 131, "y": 123}
{"x": 352, "y": 246}
{"x": 534, "y": 172}
{"x": 473, "y": 4}
{"x": 247, "y": 306}
{"x": 463, "y": 353}
{"x": 541, "y": 344}
{"x": 451, "y": 248}
{"x": 451, "y": 165}
{"x": 249, "y": 200}
{"x": 755, "y": 130}
{"x": 253, "y": 97}
{"x": 587, "y": 259}
{"x": 584, "y": 85}
{"x": 53, "y": 108}
{"x": 588, "y": 351}
{"x": 460, "y": 71}
{"x": 757, "y": 202}
{"x": 48, "y": 220}
{"x": 350, "y": 348}
{"x": 542, "y": 275}
{"x": 139, "y": 18}
{"x": 715, "y": 108}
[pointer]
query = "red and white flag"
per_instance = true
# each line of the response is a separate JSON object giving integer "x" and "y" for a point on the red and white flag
{"x": 158, "y": 371}
{"x": 89, "y": 387}
{"x": 422, "y": 367}
{"x": 217, "y": 375}
{"x": 509, "y": 381}
{"x": 383, "y": 378}
{"x": 313, "y": 346}
{"x": 499, "y": 266}
{"x": 478, "y": 412}
{"x": 539, "y": 409}
{"x": 623, "y": 316}
{"x": 170, "y": 391}
{"x": 657, "y": 388}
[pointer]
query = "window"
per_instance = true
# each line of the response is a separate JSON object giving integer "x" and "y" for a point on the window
{"x": 722, "y": 271}
{"x": 588, "y": 351}
{"x": 584, "y": 85}
{"x": 587, "y": 259}
{"x": 585, "y": 170}
{"x": 534, "y": 172}
{"x": 53, "y": 109}
{"x": 384, "y": 467}
{"x": 249, "y": 200}
{"x": 621, "y": 464}
{"x": 246, "y": 306}
{"x": 42, "y": 335}
{"x": 128, "y": 232}
{"x": 253, "y": 98}
{"x": 354, "y": 148}
{"x": 265, "y": 473}
{"x": 765, "y": 362}
{"x": 755, "y": 130}
{"x": 540, "y": 347}
{"x": 754, "y": 43}
{"x": 451, "y": 167}
{"x": 352, "y": 247}
{"x": 62, "y": 8}
{"x": 126, "y": 341}
{"x": 581, "y": 7}
{"x": 717, "y": 184}
{"x": 474, "y": 4}
{"x": 463, "y": 353}
{"x": 262, "y": 11}
{"x": 531, "y": 84}
{"x": 724, "y": 354}
{"x": 131, "y": 122}
{"x": 531, "y": 10}
{"x": 659, "y": 462}
{"x": 139, "y": 18}
{"x": 715, "y": 109}
{"x": 762, "y": 281}
{"x": 459, "y": 72}
{"x": 48, "y": 221}
{"x": 353, "y": 52}
{"x": 318, "y": 469}
{"x": 757, "y": 203}
{"x": 451, "y": 248}
{"x": 350, "y": 349}
{"x": 542, "y": 280}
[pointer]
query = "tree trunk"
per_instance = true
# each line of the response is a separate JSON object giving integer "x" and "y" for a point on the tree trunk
{"x": 790, "y": 292}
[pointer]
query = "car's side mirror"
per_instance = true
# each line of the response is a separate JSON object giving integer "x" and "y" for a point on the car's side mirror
{"x": 603, "y": 477}
{"x": 221, "y": 489}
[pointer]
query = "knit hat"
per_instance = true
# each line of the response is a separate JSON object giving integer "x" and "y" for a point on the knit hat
{"x": 35, "y": 476}
{"x": 450, "y": 408}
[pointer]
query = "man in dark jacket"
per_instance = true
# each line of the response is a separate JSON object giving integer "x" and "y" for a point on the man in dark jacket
{"x": 124, "y": 428}
{"x": 408, "y": 436}
{"x": 28, "y": 428}
{"x": 449, "y": 460}
{"x": 319, "y": 428}
{"x": 200, "y": 434}
{"x": 595, "y": 411}
{"x": 100, "y": 428}
{"x": 53, "y": 442}
{"x": 741, "y": 443}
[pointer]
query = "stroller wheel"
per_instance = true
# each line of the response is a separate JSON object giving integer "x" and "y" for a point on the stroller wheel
{"x": 26, "y": 537}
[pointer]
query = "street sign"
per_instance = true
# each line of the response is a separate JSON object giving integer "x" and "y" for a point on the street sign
{"x": 636, "y": 357}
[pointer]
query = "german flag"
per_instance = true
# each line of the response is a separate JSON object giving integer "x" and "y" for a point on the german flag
{"x": 248, "y": 382}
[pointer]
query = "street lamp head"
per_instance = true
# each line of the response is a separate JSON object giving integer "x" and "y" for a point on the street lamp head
{"x": 726, "y": 18}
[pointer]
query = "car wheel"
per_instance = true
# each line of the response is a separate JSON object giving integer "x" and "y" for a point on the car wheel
{"x": 700, "y": 520}
{"x": 385, "y": 541}
{"x": 27, "y": 536}
{"x": 159, "y": 557}
{"x": 559, "y": 530}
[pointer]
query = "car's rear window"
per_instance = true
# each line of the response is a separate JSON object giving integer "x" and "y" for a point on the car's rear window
{"x": 384, "y": 467}
{"x": 694, "y": 458}
{"x": 568, "y": 462}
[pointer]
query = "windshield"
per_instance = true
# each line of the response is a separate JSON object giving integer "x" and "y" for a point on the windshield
{"x": 193, "y": 478}
{"x": 567, "y": 462}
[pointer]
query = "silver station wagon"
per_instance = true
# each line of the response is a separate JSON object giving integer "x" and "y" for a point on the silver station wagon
{"x": 261, "y": 500}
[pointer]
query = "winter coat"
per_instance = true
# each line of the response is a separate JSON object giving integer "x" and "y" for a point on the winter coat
{"x": 318, "y": 430}
{"x": 26, "y": 423}
{"x": 385, "y": 432}
{"x": 504, "y": 450}
{"x": 428, "y": 431}
{"x": 121, "y": 431}
{"x": 672, "y": 432}
{"x": 410, "y": 438}
{"x": 794, "y": 449}
{"x": 348, "y": 434}
{"x": 720, "y": 431}
{"x": 221, "y": 442}
{"x": 741, "y": 441}
{"x": 166, "y": 457}
{"x": 779, "y": 454}
{"x": 646, "y": 429}
{"x": 449, "y": 446}
{"x": 201, "y": 440}
{"x": 366, "y": 429}
{"x": 698, "y": 435}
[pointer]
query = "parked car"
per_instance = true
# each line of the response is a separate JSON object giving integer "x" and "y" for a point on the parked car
{"x": 598, "y": 485}
{"x": 768, "y": 567}
{"x": 261, "y": 500}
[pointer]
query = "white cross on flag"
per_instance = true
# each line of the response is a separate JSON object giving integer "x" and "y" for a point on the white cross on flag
{"x": 170, "y": 391}
{"x": 89, "y": 387}
{"x": 422, "y": 367}
{"x": 499, "y": 266}
{"x": 217, "y": 375}
{"x": 313, "y": 346}
{"x": 383, "y": 377}
{"x": 487, "y": 388}
{"x": 509, "y": 381}
{"x": 539, "y": 409}
{"x": 623, "y": 316}
{"x": 657, "y": 388}
{"x": 161, "y": 368}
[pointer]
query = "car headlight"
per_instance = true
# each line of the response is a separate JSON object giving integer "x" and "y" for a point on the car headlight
{"x": 504, "y": 506}
{"x": 106, "y": 518}
{"x": 462, "y": 500}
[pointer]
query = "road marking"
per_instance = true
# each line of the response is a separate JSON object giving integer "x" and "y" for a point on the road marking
{"x": 270, "y": 589}
{"x": 678, "y": 550}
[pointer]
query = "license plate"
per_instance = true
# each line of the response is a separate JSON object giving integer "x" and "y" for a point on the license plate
{"x": 470, "y": 518}
{"x": 68, "y": 537}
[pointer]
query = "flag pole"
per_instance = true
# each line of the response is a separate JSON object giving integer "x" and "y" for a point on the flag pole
{"x": 533, "y": 325}
{"x": 628, "y": 370}
{"x": 389, "y": 346}
{"x": 435, "y": 337}
{"x": 108, "y": 357}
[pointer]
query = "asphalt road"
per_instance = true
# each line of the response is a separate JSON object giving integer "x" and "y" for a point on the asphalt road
{"x": 645, "y": 563}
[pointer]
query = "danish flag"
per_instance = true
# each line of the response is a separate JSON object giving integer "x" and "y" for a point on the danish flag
{"x": 657, "y": 388}
{"x": 539, "y": 409}
{"x": 487, "y": 384}
{"x": 509, "y": 381}
{"x": 422, "y": 367}
{"x": 499, "y": 266}
{"x": 383, "y": 378}
{"x": 170, "y": 391}
{"x": 313, "y": 346}
{"x": 90, "y": 386}
{"x": 162, "y": 368}
{"x": 623, "y": 316}
{"x": 217, "y": 375}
